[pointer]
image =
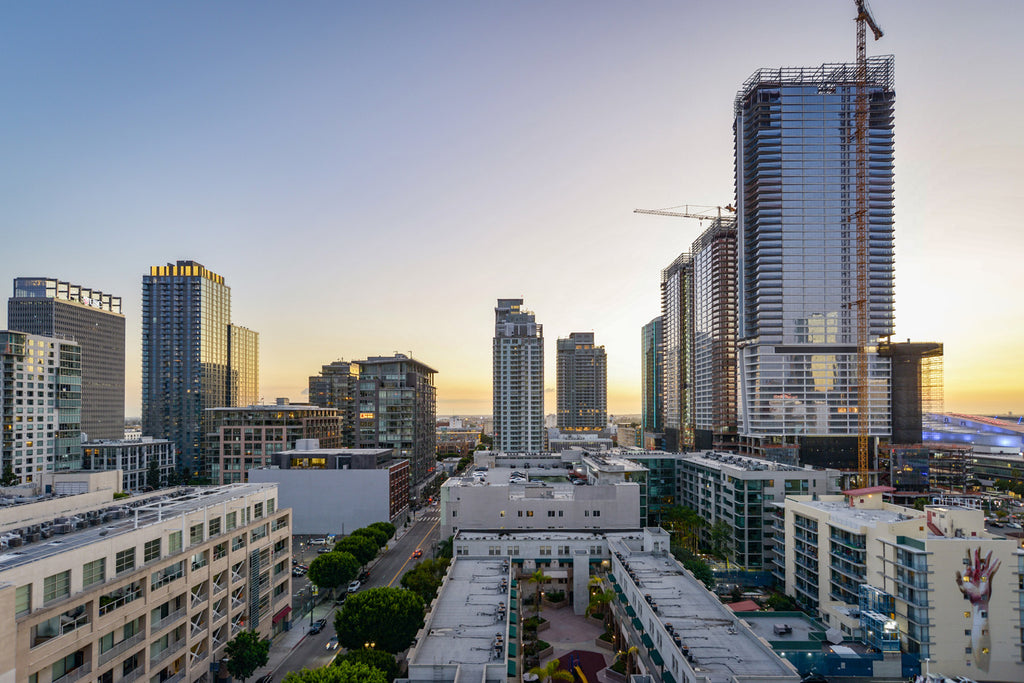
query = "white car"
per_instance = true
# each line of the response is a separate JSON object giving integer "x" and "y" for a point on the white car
{"x": 318, "y": 541}
{"x": 354, "y": 586}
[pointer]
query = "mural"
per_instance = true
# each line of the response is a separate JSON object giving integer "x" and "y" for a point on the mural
{"x": 976, "y": 585}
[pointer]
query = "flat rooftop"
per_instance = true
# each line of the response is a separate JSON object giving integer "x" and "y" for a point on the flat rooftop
{"x": 114, "y": 520}
{"x": 842, "y": 514}
{"x": 469, "y": 620}
{"x": 721, "y": 461}
{"x": 718, "y": 641}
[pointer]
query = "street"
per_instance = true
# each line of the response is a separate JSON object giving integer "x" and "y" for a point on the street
{"x": 386, "y": 570}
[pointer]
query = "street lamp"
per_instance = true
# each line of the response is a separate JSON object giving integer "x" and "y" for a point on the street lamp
{"x": 311, "y": 605}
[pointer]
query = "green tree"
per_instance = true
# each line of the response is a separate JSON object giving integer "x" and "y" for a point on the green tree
{"x": 919, "y": 503}
{"x": 380, "y": 538}
{"x": 552, "y": 671}
{"x": 331, "y": 570}
{"x": 1002, "y": 484}
{"x": 362, "y": 547}
{"x": 174, "y": 477}
{"x": 378, "y": 659}
{"x": 389, "y": 617}
{"x": 446, "y": 548}
{"x": 698, "y": 567}
{"x": 9, "y": 478}
{"x": 386, "y": 527}
{"x": 685, "y": 523}
{"x": 345, "y": 672}
{"x": 538, "y": 578}
{"x": 153, "y": 472}
{"x": 721, "y": 540}
{"x": 426, "y": 577}
{"x": 600, "y": 603}
{"x": 246, "y": 652}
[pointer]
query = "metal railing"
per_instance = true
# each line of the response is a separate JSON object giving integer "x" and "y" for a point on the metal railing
{"x": 121, "y": 647}
{"x": 167, "y": 651}
{"x": 75, "y": 674}
{"x": 166, "y": 621}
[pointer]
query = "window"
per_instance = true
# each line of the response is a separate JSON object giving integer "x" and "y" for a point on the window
{"x": 551, "y": 513}
{"x": 23, "y": 600}
{"x": 529, "y": 513}
{"x": 220, "y": 550}
{"x": 238, "y": 542}
{"x": 597, "y": 513}
{"x": 214, "y": 526}
{"x": 124, "y": 561}
{"x": 560, "y": 513}
{"x": 94, "y": 572}
{"x": 151, "y": 551}
{"x": 174, "y": 542}
{"x": 257, "y": 511}
{"x": 57, "y": 586}
{"x": 494, "y": 550}
{"x": 62, "y": 667}
{"x": 545, "y": 550}
{"x": 167, "y": 574}
{"x": 259, "y": 532}
{"x": 231, "y": 521}
{"x": 270, "y": 506}
{"x": 563, "y": 550}
{"x": 195, "y": 534}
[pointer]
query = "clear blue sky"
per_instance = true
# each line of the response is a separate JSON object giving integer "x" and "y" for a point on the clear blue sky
{"x": 371, "y": 177}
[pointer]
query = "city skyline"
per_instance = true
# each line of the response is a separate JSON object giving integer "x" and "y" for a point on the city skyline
{"x": 430, "y": 147}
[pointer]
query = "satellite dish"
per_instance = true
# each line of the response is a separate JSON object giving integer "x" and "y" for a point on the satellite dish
{"x": 834, "y": 636}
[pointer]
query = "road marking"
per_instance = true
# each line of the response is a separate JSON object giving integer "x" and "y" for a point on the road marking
{"x": 402, "y": 568}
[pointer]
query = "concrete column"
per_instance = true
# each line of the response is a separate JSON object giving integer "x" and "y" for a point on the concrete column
{"x": 581, "y": 581}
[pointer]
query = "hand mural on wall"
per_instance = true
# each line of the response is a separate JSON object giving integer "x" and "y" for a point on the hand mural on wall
{"x": 976, "y": 585}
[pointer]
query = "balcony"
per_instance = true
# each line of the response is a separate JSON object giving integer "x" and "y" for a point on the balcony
{"x": 75, "y": 674}
{"x": 136, "y": 673}
{"x": 167, "y": 652}
{"x": 167, "y": 621}
{"x": 198, "y": 598}
{"x": 121, "y": 647}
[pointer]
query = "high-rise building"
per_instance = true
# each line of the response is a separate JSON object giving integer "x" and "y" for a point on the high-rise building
{"x": 398, "y": 410}
{"x": 796, "y": 200}
{"x": 518, "y": 357}
{"x": 714, "y": 335}
{"x": 53, "y": 308}
{"x": 677, "y": 339}
{"x": 40, "y": 404}
{"x": 337, "y": 387}
{"x": 582, "y": 377}
{"x": 134, "y": 459}
{"x": 652, "y": 368}
{"x": 193, "y": 358}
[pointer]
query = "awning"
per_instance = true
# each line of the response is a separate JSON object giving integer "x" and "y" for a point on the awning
{"x": 611, "y": 577}
{"x": 646, "y": 640}
{"x": 630, "y": 611}
{"x": 285, "y": 611}
{"x": 512, "y": 618}
{"x": 656, "y": 658}
{"x": 511, "y": 667}
{"x": 637, "y": 624}
{"x": 512, "y": 631}
{"x": 667, "y": 677}
{"x": 618, "y": 588}
{"x": 622, "y": 597}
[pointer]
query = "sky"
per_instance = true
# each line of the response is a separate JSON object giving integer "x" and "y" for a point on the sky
{"x": 370, "y": 177}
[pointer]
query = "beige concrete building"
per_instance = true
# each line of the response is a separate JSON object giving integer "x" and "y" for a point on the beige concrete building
{"x": 951, "y": 592}
{"x": 149, "y": 591}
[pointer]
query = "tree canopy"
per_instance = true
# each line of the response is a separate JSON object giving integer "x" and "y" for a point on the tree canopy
{"x": 334, "y": 569}
{"x": 425, "y": 578}
{"x": 246, "y": 652}
{"x": 362, "y": 547}
{"x": 386, "y": 527}
{"x": 378, "y": 536}
{"x": 345, "y": 672}
{"x": 378, "y": 659}
{"x": 387, "y": 617}
{"x": 153, "y": 472}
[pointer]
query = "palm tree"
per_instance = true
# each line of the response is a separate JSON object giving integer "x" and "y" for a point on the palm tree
{"x": 630, "y": 660}
{"x": 600, "y": 601}
{"x": 538, "y": 578}
{"x": 685, "y": 523}
{"x": 552, "y": 671}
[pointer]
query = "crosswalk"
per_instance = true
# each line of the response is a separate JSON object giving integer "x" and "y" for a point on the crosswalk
{"x": 428, "y": 516}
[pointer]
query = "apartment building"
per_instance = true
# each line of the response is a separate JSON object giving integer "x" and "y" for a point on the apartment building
{"x": 133, "y": 458}
{"x": 950, "y": 591}
{"x": 737, "y": 490}
{"x": 151, "y": 591}
{"x": 518, "y": 378}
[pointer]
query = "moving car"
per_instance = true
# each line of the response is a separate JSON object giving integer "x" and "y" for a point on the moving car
{"x": 332, "y": 644}
{"x": 417, "y": 553}
{"x": 354, "y": 586}
{"x": 298, "y": 572}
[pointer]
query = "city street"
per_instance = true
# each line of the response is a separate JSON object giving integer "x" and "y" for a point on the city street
{"x": 386, "y": 570}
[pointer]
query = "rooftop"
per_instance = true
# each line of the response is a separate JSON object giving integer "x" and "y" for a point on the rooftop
{"x": 718, "y": 642}
{"x": 68, "y": 533}
{"x": 842, "y": 514}
{"x": 721, "y": 461}
{"x": 468, "y": 622}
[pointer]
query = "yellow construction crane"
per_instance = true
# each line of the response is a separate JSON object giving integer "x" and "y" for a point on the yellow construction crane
{"x": 690, "y": 211}
{"x": 864, "y": 20}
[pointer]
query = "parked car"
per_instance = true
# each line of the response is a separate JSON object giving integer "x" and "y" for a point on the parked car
{"x": 318, "y": 541}
{"x": 417, "y": 553}
{"x": 298, "y": 572}
{"x": 340, "y": 600}
{"x": 321, "y": 551}
{"x": 364, "y": 574}
{"x": 316, "y": 628}
{"x": 332, "y": 644}
{"x": 354, "y": 586}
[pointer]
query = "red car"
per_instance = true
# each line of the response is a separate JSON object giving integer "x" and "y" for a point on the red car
{"x": 417, "y": 553}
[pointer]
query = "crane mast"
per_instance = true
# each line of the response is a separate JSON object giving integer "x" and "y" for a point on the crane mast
{"x": 864, "y": 20}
